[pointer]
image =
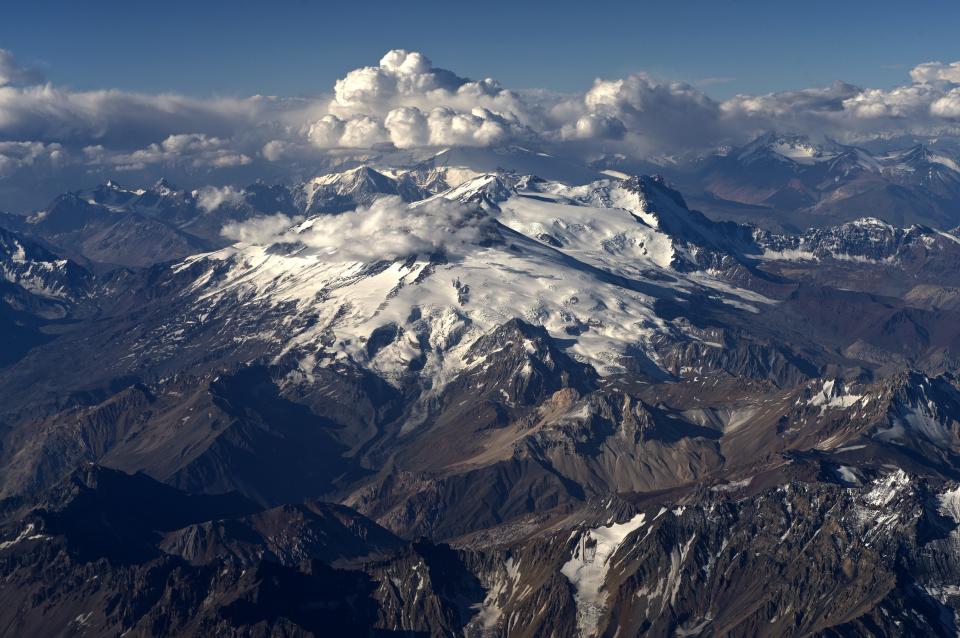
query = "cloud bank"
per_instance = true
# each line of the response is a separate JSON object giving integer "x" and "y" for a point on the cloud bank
{"x": 63, "y": 138}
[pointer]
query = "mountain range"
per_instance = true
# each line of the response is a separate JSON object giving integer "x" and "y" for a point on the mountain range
{"x": 489, "y": 394}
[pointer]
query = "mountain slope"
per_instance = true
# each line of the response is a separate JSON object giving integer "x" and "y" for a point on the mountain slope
{"x": 36, "y": 289}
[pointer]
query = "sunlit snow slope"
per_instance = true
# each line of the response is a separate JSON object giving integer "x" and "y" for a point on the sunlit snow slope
{"x": 400, "y": 288}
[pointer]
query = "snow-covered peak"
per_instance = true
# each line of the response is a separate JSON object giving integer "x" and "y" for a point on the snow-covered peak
{"x": 945, "y": 161}
{"x": 352, "y": 179}
{"x": 457, "y": 165}
{"x": 488, "y": 189}
{"x": 39, "y": 272}
{"x": 337, "y": 192}
{"x": 869, "y": 223}
{"x": 922, "y": 162}
{"x": 165, "y": 188}
{"x": 796, "y": 149}
{"x": 405, "y": 289}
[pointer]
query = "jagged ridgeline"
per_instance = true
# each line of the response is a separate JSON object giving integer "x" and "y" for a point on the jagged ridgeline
{"x": 454, "y": 399}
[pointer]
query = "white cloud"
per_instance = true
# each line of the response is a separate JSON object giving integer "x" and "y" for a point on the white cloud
{"x": 210, "y": 198}
{"x": 327, "y": 131}
{"x": 25, "y": 155}
{"x": 801, "y": 103}
{"x": 936, "y": 72}
{"x": 403, "y": 78}
{"x": 442, "y": 126}
{"x": 651, "y": 114}
{"x": 387, "y": 229}
{"x": 362, "y": 131}
{"x": 899, "y": 102}
{"x": 846, "y": 112}
{"x": 479, "y": 127}
{"x": 408, "y": 127}
{"x": 406, "y": 101}
{"x": 192, "y": 149}
{"x": 274, "y": 150}
{"x": 260, "y": 230}
{"x": 947, "y": 106}
{"x": 595, "y": 127}
{"x": 119, "y": 119}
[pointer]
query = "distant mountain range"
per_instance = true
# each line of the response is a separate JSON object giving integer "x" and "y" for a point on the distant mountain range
{"x": 793, "y": 182}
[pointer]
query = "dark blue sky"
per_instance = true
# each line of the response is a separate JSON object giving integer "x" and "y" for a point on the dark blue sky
{"x": 291, "y": 47}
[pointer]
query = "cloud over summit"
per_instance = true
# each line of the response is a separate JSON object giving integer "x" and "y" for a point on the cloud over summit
{"x": 388, "y": 229}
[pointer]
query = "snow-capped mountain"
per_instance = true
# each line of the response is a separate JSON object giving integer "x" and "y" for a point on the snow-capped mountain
{"x": 867, "y": 239}
{"x": 110, "y": 226}
{"x": 38, "y": 271}
{"x": 338, "y": 192}
{"x": 36, "y": 288}
{"x": 793, "y": 181}
{"x": 588, "y": 263}
{"x": 453, "y": 166}
{"x": 936, "y": 171}
{"x": 788, "y": 149}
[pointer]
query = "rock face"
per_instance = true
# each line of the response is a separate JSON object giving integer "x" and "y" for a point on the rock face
{"x": 434, "y": 401}
{"x": 37, "y": 289}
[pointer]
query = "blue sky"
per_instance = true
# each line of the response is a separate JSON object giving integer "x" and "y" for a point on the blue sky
{"x": 293, "y": 47}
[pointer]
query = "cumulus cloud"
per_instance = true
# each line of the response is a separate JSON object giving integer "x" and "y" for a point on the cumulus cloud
{"x": 386, "y": 230}
{"x": 792, "y": 106}
{"x": 362, "y": 131}
{"x": 274, "y": 150}
{"x": 649, "y": 114}
{"x": 936, "y": 72}
{"x": 947, "y": 106}
{"x": 899, "y": 102}
{"x": 845, "y": 111}
{"x": 593, "y": 126}
{"x": 408, "y": 127}
{"x": 24, "y": 155}
{"x": 409, "y": 102}
{"x": 261, "y": 230}
{"x": 405, "y": 102}
{"x": 408, "y": 78}
{"x": 443, "y": 126}
{"x": 327, "y": 131}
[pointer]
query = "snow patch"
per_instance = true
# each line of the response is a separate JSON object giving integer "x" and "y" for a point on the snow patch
{"x": 948, "y": 504}
{"x": 588, "y": 567}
